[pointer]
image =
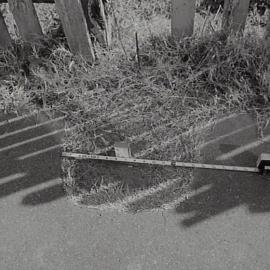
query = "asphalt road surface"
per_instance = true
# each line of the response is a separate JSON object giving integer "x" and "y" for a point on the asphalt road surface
{"x": 224, "y": 224}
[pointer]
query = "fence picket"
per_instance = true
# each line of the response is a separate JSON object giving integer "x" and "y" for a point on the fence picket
{"x": 76, "y": 22}
{"x": 5, "y": 40}
{"x": 182, "y": 22}
{"x": 235, "y": 15}
{"x": 75, "y": 27}
{"x": 26, "y": 19}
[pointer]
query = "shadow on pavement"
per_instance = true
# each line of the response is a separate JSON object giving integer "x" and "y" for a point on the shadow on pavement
{"x": 30, "y": 151}
{"x": 223, "y": 190}
{"x": 44, "y": 196}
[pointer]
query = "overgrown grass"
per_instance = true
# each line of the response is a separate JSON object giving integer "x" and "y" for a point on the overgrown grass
{"x": 158, "y": 107}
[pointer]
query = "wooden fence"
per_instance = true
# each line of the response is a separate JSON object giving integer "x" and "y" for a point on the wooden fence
{"x": 73, "y": 15}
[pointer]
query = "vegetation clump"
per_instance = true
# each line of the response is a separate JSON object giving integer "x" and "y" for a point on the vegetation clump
{"x": 260, "y": 5}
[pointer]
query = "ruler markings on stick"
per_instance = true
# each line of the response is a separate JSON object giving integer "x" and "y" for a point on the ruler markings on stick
{"x": 162, "y": 163}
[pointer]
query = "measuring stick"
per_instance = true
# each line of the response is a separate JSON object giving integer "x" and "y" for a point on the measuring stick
{"x": 162, "y": 163}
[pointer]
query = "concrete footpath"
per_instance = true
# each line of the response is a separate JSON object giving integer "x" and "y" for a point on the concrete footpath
{"x": 224, "y": 224}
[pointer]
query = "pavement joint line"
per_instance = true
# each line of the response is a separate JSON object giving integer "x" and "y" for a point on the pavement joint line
{"x": 31, "y": 127}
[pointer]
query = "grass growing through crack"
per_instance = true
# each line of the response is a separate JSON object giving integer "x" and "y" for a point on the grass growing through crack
{"x": 181, "y": 87}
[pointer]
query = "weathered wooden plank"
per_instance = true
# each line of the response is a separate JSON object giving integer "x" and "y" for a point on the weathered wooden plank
{"x": 5, "y": 40}
{"x": 75, "y": 27}
{"x": 235, "y": 15}
{"x": 182, "y": 22}
{"x": 26, "y": 19}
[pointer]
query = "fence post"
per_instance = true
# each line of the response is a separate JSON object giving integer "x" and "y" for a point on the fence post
{"x": 5, "y": 40}
{"x": 26, "y": 19}
{"x": 75, "y": 27}
{"x": 182, "y": 22}
{"x": 235, "y": 15}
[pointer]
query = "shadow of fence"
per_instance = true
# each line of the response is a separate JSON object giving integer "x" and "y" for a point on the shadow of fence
{"x": 30, "y": 150}
{"x": 216, "y": 192}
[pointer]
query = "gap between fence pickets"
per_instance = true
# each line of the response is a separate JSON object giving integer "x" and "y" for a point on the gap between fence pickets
{"x": 161, "y": 163}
